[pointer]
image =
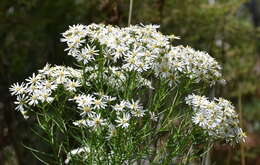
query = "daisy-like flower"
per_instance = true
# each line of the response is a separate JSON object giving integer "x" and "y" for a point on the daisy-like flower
{"x": 134, "y": 105}
{"x": 104, "y": 97}
{"x": 71, "y": 85}
{"x": 17, "y": 89}
{"x": 111, "y": 131}
{"x": 77, "y": 151}
{"x": 87, "y": 54}
{"x": 60, "y": 76}
{"x": 96, "y": 121}
{"x": 153, "y": 116}
{"x": 46, "y": 70}
{"x": 45, "y": 95}
{"x": 99, "y": 104}
{"x": 120, "y": 107}
{"x": 163, "y": 70}
{"x": 87, "y": 110}
{"x": 33, "y": 79}
{"x": 74, "y": 37}
{"x": 200, "y": 119}
{"x": 131, "y": 64}
{"x": 21, "y": 102}
{"x": 109, "y": 98}
{"x": 118, "y": 53}
{"x": 194, "y": 64}
{"x": 138, "y": 112}
{"x": 74, "y": 31}
{"x": 123, "y": 121}
{"x": 34, "y": 98}
{"x": 47, "y": 84}
{"x": 84, "y": 100}
{"x": 80, "y": 123}
{"x": 32, "y": 88}
{"x": 145, "y": 82}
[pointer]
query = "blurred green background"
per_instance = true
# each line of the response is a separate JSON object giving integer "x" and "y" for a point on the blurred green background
{"x": 227, "y": 29}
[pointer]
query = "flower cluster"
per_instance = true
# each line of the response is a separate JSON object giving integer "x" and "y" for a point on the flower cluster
{"x": 92, "y": 106}
{"x": 39, "y": 87}
{"x": 218, "y": 118}
{"x": 140, "y": 48}
{"x": 115, "y": 78}
{"x": 78, "y": 151}
{"x": 103, "y": 97}
{"x": 196, "y": 65}
{"x": 84, "y": 153}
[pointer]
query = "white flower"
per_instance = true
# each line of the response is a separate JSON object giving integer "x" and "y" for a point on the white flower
{"x": 46, "y": 70}
{"x": 108, "y": 98}
{"x": 74, "y": 37}
{"x": 17, "y": 89}
{"x": 80, "y": 123}
{"x": 87, "y": 54}
{"x": 99, "y": 104}
{"x": 60, "y": 76}
{"x": 47, "y": 84}
{"x": 121, "y": 106}
{"x": 163, "y": 70}
{"x": 194, "y": 64}
{"x": 138, "y": 112}
{"x": 96, "y": 121}
{"x": 84, "y": 100}
{"x": 134, "y": 105}
{"x": 45, "y": 95}
{"x": 218, "y": 117}
{"x": 111, "y": 131}
{"x": 24, "y": 113}
{"x": 32, "y": 88}
{"x": 149, "y": 49}
{"x": 123, "y": 121}
{"x": 34, "y": 79}
{"x": 77, "y": 151}
{"x": 145, "y": 82}
{"x": 153, "y": 116}
{"x": 71, "y": 85}
{"x": 21, "y": 102}
{"x": 87, "y": 110}
{"x": 200, "y": 119}
{"x": 34, "y": 98}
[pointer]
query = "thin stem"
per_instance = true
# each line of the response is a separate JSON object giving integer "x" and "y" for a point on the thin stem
{"x": 186, "y": 159}
{"x": 206, "y": 158}
{"x": 130, "y": 12}
{"x": 242, "y": 148}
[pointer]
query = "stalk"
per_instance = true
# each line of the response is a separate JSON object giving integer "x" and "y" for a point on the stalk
{"x": 130, "y": 12}
{"x": 242, "y": 147}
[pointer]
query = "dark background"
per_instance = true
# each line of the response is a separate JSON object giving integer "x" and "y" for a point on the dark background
{"x": 227, "y": 29}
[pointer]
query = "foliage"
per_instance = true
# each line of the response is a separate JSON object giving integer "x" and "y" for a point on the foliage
{"x": 95, "y": 108}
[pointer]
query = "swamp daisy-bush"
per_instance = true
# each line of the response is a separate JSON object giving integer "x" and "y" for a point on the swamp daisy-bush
{"x": 132, "y": 96}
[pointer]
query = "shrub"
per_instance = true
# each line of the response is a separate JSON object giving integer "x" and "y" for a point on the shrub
{"x": 132, "y": 96}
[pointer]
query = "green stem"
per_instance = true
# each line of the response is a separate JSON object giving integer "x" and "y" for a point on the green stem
{"x": 130, "y": 12}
